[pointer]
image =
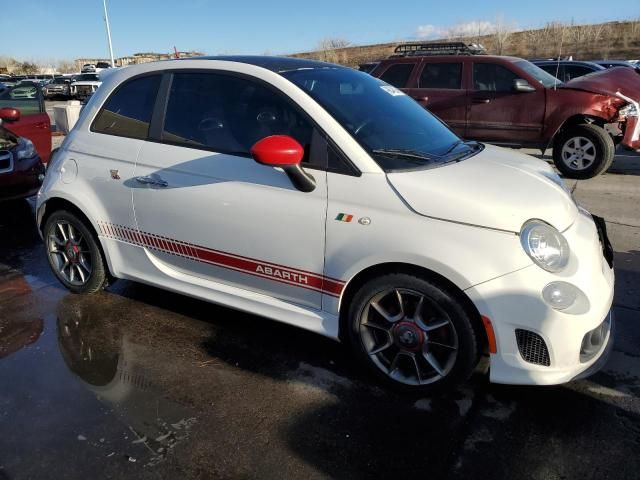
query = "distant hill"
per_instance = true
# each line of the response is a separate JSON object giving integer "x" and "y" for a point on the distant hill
{"x": 611, "y": 40}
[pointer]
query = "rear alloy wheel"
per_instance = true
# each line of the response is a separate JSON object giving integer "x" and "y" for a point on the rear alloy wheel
{"x": 583, "y": 151}
{"x": 412, "y": 334}
{"x": 74, "y": 255}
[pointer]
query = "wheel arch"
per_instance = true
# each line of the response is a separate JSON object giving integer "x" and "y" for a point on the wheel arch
{"x": 574, "y": 120}
{"x": 373, "y": 271}
{"x": 54, "y": 204}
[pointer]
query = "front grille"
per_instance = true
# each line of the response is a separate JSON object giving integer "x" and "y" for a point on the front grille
{"x": 532, "y": 347}
{"x": 593, "y": 340}
{"x": 85, "y": 89}
{"x": 6, "y": 161}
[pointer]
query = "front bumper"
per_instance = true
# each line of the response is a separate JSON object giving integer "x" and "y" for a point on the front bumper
{"x": 536, "y": 344}
{"x": 23, "y": 181}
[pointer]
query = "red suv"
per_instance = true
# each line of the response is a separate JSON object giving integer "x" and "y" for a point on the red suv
{"x": 510, "y": 101}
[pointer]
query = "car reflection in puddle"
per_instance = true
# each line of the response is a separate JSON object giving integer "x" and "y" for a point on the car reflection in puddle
{"x": 17, "y": 333}
{"x": 109, "y": 364}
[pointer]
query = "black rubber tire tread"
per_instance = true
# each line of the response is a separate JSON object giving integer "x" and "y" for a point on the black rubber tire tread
{"x": 98, "y": 280}
{"x": 468, "y": 342}
{"x": 605, "y": 150}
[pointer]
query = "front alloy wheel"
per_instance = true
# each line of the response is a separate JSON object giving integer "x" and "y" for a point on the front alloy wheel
{"x": 412, "y": 333}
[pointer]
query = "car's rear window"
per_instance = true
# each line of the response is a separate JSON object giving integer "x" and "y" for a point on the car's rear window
{"x": 398, "y": 74}
{"x": 441, "y": 75}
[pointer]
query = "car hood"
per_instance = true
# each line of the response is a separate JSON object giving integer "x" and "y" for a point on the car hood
{"x": 609, "y": 82}
{"x": 87, "y": 83}
{"x": 497, "y": 188}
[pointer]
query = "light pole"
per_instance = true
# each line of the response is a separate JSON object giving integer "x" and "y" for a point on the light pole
{"x": 106, "y": 21}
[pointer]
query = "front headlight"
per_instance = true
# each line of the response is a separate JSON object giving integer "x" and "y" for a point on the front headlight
{"x": 629, "y": 110}
{"x": 25, "y": 149}
{"x": 546, "y": 246}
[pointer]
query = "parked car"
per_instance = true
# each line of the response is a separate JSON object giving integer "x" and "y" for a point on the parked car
{"x": 23, "y": 112}
{"x": 88, "y": 68}
{"x": 509, "y": 101}
{"x": 319, "y": 196}
{"x": 567, "y": 70}
{"x": 84, "y": 85}
{"x": 615, "y": 63}
{"x": 21, "y": 170}
{"x": 59, "y": 87}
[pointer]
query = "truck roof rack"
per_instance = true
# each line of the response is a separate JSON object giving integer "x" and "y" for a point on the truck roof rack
{"x": 427, "y": 49}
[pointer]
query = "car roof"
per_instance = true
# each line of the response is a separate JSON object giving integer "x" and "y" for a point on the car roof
{"x": 567, "y": 62}
{"x": 408, "y": 58}
{"x": 275, "y": 64}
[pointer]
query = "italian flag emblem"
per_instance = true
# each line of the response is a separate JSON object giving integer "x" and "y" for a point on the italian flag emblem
{"x": 344, "y": 217}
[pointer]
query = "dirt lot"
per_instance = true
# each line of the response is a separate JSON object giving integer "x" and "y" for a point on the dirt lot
{"x": 140, "y": 383}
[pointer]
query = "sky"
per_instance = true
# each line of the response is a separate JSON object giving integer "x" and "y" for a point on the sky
{"x": 51, "y": 30}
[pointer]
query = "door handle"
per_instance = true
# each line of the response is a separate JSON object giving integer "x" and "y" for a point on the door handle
{"x": 481, "y": 100}
{"x": 149, "y": 180}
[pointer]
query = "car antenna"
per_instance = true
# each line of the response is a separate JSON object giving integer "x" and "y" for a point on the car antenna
{"x": 555, "y": 81}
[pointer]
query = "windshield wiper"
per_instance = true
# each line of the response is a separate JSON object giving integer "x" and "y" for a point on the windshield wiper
{"x": 405, "y": 153}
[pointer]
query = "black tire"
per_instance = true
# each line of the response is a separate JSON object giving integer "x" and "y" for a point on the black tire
{"x": 437, "y": 300}
{"x": 97, "y": 277}
{"x": 602, "y": 147}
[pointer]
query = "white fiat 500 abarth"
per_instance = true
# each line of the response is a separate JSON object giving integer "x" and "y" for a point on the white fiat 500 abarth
{"x": 324, "y": 198}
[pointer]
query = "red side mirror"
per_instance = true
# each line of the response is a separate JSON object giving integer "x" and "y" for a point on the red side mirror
{"x": 277, "y": 151}
{"x": 9, "y": 114}
{"x": 284, "y": 151}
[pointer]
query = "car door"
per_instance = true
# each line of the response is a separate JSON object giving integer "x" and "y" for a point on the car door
{"x": 498, "y": 113}
{"x": 440, "y": 89}
{"x": 205, "y": 208}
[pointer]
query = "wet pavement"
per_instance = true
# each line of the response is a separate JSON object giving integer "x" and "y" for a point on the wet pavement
{"x": 139, "y": 383}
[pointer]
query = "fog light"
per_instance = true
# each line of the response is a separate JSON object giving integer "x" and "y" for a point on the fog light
{"x": 560, "y": 295}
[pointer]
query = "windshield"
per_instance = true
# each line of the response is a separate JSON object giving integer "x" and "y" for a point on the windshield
{"x": 396, "y": 131}
{"x": 59, "y": 81}
{"x": 87, "y": 77}
{"x": 539, "y": 74}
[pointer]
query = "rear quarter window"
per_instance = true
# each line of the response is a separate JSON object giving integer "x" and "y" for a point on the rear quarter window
{"x": 398, "y": 74}
{"x": 127, "y": 112}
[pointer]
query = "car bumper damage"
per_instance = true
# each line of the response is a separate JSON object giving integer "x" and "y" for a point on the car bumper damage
{"x": 537, "y": 344}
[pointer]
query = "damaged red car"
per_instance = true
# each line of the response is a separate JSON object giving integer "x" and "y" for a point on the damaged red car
{"x": 511, "y": 102}
{"x": 21, "y": 169}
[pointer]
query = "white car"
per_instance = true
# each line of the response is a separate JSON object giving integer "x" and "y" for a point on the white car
{"x": 321, "y": 197}
{"x": 84, "y": 85}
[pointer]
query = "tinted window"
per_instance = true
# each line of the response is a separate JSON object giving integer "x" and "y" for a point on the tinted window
{"x": 25, "y": 97}
{"x": 398, "y": 74}
{"x": 574, "y": 71}
{"x": 545, "y": 75}
{"x": 229, "y": 114}
{"x": 493, "y": 78}
{"x": 128, "y": 110}
{"x": 86, "y": 77}
{"x": 396, "y": 131}
{"x": 441, "y": 75}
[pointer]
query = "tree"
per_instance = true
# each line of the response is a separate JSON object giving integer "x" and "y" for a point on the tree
{"x": 28, "y": 68}
{"x": 327, "y": 48}
{"x": 502, "y": 30}
{"x": 65, "y": 66}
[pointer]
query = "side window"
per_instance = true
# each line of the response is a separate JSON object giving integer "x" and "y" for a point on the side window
{"x": 127, "y": 112}
{"x": 228, "y": 114}
{"x": 398, "y": 74}
{"x": 574, "y": 71}
{"x": 441, "y": 75}
{"x": 492, "y": 78}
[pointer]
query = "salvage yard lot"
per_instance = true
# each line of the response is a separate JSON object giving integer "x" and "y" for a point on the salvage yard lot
{"x": 136, "y": 382}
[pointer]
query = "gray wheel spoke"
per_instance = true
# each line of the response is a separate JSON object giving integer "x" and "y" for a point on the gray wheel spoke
{"x": 388, "y": 343}
{"x": 451, "y": 347}
{"x": 377, "y": 327}
{"x": 417, "y": 368}
{"x": 386, "y": 315}
{"x": 395, "y": 364}
{"x": 64, "y": 234}
{"x": 427, "y": 327}
{"x": 81, "y": 274}
{"x": 433, "y": 361}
